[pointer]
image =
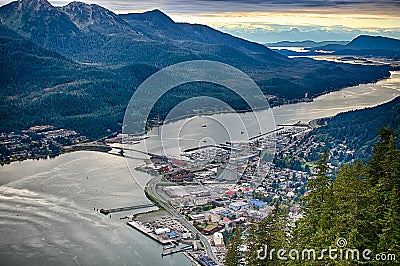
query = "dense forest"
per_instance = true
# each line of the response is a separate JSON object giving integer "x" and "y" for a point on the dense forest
{"x": 350, "y": 217}
{"x": 347, "y": 136}
{"x": 77, "y": 66}
{"x": 357, "y": 129}
{"x": 39, "y": 87}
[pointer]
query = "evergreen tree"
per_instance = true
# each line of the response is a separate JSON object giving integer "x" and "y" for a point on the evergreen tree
{"x": 270, "y": 233}
{"x": 350, "y": 206}
{"x": 389, "y": 239}
{"x": 234, "y": 255}
{"x": 311, "y": 230}
{"x": 361, "y": 205}
{"x": 384, "y": 180}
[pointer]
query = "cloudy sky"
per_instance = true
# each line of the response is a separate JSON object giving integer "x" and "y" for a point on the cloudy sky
{"x": 274, "y": 20}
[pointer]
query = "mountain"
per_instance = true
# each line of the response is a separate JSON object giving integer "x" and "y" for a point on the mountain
{"x": 90, "y": 33}
{"x": 96, "y": 19}
{"x": 363, "y": 45}
{"x": 79, "y": 31}
{"x": 40, "y": 86}
{"x": 160, "y": 27}
{"x": 35, "y": 19}
{"x": 364, "y": 42}
{"x": 367, "y": 46}
{"x": 77, "y": 66}
{"x": 307, "y": 43}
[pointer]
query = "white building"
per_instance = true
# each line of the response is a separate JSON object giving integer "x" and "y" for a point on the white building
{"x": 197, "y": 216}
{"x": 186, "y": 235}
{"x": 160, "y": 231}
{"x": 218, "y": 239}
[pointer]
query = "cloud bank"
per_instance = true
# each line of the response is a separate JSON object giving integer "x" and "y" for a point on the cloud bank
{"x": 274, "y": 20}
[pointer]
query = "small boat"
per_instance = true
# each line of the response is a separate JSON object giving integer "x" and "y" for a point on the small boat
{"x": 204, "y": 126}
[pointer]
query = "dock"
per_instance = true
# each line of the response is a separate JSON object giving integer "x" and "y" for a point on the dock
{"x": 169, "y": 246}
{"x": 294, "y": 125}
{"x": 170, "y": 252}
{"x": 263, "y": 134}
{"x": 149, "y": 233}
{"x": 142, "y": 206}
{"x": 207, "y": 146}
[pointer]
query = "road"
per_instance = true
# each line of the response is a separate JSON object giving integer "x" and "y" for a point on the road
{"x": 152, "y": 191}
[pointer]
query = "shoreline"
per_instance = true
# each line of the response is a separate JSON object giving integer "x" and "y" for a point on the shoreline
{"x": 107, "y": 148}
{"x": 68, "y": 149}
{"x": 286, "y": 103}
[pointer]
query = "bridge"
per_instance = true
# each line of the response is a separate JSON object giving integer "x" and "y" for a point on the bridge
{"x": 142, "y": 152}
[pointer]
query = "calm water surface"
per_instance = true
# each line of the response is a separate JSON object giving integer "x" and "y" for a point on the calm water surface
{"x": 47, "y": 216}
{"x": 172, "y": 138}
{"x": 46, "y": 206}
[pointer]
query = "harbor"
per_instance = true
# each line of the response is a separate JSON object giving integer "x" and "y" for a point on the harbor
{"x": 102, "y": 174}
{"x": 167, "y": 231}
{"x": 148, "y": 232}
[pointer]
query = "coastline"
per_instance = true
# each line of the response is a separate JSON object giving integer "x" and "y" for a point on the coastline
{"x": 122, "y": 158}
{"x": 102, "y": 147}
{"x": 272, "y": 106}
{"x": 68, "y": 149}
{"x": 57, "y": 197}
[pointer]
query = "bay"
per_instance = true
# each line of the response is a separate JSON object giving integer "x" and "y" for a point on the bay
{"x": 46, "y": 206}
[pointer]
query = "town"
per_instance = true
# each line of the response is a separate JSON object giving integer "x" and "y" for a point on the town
{"x": 218, "y": 188}
{"x": 37, "y": 142}
{"x": 209, "y": 191}
{"x": 42, "y": 142}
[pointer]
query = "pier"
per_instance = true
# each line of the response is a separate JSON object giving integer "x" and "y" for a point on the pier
{"x": 221, "y": 146}
{"x": 170, "y": 252}
{"x": 149, "y": 233}
{"x": 263, "y": 134}
{"x": 207, "y": 146}
{"x": 108, "y": 211}
{"x": 294, "y": 125}
{"x": 169, "y": 246}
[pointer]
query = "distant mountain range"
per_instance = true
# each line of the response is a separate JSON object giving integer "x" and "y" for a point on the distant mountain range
{"x": 364, "y": 42}
{"x": 77, "y": 66}
{"x": 91, "y": 33}
{"x": 305, "y": 44}
{"x": 362, "y": 45}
